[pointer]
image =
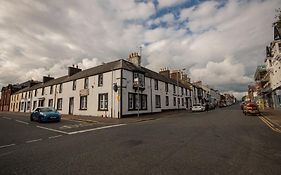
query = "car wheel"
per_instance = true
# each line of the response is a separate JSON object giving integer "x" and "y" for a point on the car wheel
{"x": 31, "y": 118}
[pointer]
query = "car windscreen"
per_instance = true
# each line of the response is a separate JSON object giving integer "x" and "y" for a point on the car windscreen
{"x": 47, "y": 110}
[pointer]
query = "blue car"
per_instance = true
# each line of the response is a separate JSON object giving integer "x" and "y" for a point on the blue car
{"x": 44, "y": 114}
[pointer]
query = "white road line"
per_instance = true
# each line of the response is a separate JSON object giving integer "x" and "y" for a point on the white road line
{"x": 31, "y": 141}
{"x": 50, "y": 129}
{"x": 5, "y": 146}
{"x": 7, "y": 118}
{"x": 22, "y": 122}
{"x": 270, "y": 125}
{"x": 52, "y": 137}
{"x": 94, "y": 129}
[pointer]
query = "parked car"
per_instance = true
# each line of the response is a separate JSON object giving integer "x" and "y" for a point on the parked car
{"x": 44, "y": 114}
{"x": 197, "y": 107}
{"x": 251, "y": 108}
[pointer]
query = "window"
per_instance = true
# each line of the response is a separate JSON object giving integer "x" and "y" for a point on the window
{"x": 29, "y": 94}
{"x": 60, "y": 88}
{"x": 181, "y": 90}
{"x": 133, "y": 101}
{"x": 83, "y": 102}
{"x": 51, "y": 89}
{"x": 175, "y": 101}
{"x": 100, "y": 80}
{"x": 166, "y": 87}
{"x": 167, "y": 100}
{"x": 156, "y": 84}
{"x": 74, "y": 85}
{"x": 174, "y": 89}
{"x": 157, "y": 101}
{"x": 50, "y": 103}
{"x": 140, "y": 78}
{"x": 42, "y": 91}
{"x": 179, "y": 101}
{"x": 182, "y": 101}
{"x": 186, "y": 93}
{"x": 59, "y": 104}
{"x": 34, "y": 104}
{"x": 86, "y": 83}
{"x": 41, "y": 103}
{"x": 22, "y": 106}
{"x": 28, "y": 105}
{"x": 103, "y": 102}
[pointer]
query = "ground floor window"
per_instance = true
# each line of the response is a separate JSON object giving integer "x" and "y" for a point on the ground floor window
{"x": 157, "y": 101}
{"x": 59, "y": 104}
{"x": 41, "y": 103}
{"x": 175, "y": 101}
{"x": 137, "y": 101}
{"x": 103, "y": 102}
{"x": 34, "y": 104}
{"x": 50, "y": 103}
{"x": 22, "y": 106}
{"x": 28, "y": 105}
{"x": 83, "y": 102}
{"x": 167, "y": 100}
{"x": 182, "y": 101}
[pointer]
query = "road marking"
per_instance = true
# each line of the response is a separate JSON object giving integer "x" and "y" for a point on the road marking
{"x": 94, "y": 129}
{"x": 19, "y": 121}
{"x": 31, "y": 141}
{"x": 50, "y": 129}
{"x": 7, "y": 118}
{"x": 7, "y": 153}
{"x": 5, "y": 146}
{"x": 270, "y": 125}
{"x": 52, "y": 137}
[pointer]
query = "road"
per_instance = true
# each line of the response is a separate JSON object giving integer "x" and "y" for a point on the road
{"x": 222, "y": 141}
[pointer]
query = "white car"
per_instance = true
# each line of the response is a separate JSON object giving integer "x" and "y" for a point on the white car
{"x": 197, "y": 107}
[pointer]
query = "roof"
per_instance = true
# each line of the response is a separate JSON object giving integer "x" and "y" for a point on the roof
{"x": 114, "y": 65}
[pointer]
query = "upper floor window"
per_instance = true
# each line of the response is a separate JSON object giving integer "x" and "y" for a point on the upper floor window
{"x": 181, "y": 90}
{"x": 156, "y": 84}
{"x": 166, "y": 87}
{"x": 35, "y": 92}
{"x": 43, "y": 89}
{"x": 100, "y": 80}
{"x": 29, "y": 94}
{"x": 60, "y": 88}
{"x": 139, "y": 80}
{"x": 86, "y": 83}
{"x": 74, "y": 85}
{"x": 51, "y": 89}
{"x": 174, "y": 89}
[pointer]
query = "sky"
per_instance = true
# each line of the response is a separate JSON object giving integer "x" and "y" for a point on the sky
{"x": 218, "y": 42}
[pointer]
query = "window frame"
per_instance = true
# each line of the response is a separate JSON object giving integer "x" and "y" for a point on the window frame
{"x": 143, "y": 101}
{"x": 100, "y": 80}
{"x": 74, "y": 85}
{"x": 84, "y": 102}
{"x": 86, "y": 83}
{"x": 103, "y": 100}
{"x": 156, "y": 85}
{"x": 157, "y": 99}
{"x": 59, "y": 105}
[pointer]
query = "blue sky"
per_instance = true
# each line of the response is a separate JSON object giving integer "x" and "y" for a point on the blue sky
{"x": 218, "y": 42}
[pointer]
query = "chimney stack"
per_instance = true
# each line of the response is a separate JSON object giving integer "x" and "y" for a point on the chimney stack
{"x": 165, "y": 71}
{"x": 135, "y": 58}
{"x": 73, "y": 70}
{"x": 47, "y": 78}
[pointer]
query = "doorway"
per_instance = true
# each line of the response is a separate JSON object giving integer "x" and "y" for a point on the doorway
{"x": 71, "y": 105}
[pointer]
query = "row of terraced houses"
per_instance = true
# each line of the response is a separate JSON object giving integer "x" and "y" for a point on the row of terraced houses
{"x": 115, "y": 89}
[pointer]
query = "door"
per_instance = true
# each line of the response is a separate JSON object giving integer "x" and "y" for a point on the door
{"x": 186, "y": 99}
{"x": 71, "y": 105}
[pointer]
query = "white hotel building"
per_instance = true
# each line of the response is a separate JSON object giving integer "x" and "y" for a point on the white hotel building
{"x": 107, "y": 90}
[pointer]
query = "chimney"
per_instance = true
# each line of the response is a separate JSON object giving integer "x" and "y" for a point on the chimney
{"x": 73, "y": 70}
{"x": 165, "y": 72}
{"x": 47, "y": 78}
{"x": 176, "y": 75}
{"x": 135, "y": 58}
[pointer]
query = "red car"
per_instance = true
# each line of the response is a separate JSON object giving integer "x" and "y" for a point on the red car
{"x": 251, "y": 108}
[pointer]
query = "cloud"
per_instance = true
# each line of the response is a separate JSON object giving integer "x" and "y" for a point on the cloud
{"x": 45, "y": 37}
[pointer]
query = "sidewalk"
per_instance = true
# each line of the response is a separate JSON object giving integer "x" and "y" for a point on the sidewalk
{"x": 129, "y": 119}
{"x": 274, "y": 115}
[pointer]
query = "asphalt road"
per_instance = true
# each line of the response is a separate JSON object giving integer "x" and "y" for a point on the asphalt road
{"x": 222, "y": 141}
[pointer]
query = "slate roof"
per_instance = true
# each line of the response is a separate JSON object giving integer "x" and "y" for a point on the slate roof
{"x": 107, "y": 67}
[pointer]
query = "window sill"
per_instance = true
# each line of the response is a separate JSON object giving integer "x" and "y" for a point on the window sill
{"x": 102, "y": 109}
{"x": 83, "y": 109}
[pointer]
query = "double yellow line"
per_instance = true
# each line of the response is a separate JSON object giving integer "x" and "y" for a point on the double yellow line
{"x": 270, "y": 124}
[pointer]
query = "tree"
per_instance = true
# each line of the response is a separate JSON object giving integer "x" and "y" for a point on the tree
{"x": 278, "y": 18}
